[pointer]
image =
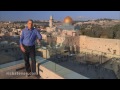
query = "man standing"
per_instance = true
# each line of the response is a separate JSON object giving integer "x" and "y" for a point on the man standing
{"x": 27, "y": 46}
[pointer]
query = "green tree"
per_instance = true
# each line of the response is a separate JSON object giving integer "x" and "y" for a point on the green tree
{"x": 116, "y": 31}
{"x": 22, "y": 27}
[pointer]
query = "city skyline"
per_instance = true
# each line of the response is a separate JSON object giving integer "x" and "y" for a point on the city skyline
{"x": 57, "y": 15}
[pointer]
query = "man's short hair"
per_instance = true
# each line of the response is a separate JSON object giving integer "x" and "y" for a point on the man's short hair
{"x": 30, "y": 20}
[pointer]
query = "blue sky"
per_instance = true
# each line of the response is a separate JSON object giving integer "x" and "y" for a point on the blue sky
{"x": 57, "y": 15}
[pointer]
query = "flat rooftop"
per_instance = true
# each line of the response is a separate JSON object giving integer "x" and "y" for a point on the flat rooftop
{"x": 68, "y": 69}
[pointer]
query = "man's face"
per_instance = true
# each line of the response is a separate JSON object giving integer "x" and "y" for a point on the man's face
{"x": 30, "y": 24}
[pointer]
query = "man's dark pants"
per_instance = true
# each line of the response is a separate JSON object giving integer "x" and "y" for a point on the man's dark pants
{"x": 30, "y": 52}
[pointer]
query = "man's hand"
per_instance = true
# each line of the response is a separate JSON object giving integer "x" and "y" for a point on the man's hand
{"x": 22, "y": 48}
{"x": 38, "y": 42}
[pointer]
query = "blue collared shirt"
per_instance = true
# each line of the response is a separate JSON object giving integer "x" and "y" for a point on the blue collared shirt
{"x": 28, "y": 37}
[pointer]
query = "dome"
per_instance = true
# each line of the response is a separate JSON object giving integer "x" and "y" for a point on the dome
{"x": 68, "y": 19}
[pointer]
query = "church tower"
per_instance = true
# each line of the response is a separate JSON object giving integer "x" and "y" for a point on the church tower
{"x": 51, "y": 22}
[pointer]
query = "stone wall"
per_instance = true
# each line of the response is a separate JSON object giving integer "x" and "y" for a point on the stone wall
{"x": 109, "y": 47}
{"x": 106, "y": 46}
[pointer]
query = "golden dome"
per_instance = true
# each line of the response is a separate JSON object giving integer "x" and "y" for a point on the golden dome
{"x": 68, "y": 19}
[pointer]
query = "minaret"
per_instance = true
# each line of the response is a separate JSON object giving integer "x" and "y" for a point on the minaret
{"x": 51, "y": 22}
